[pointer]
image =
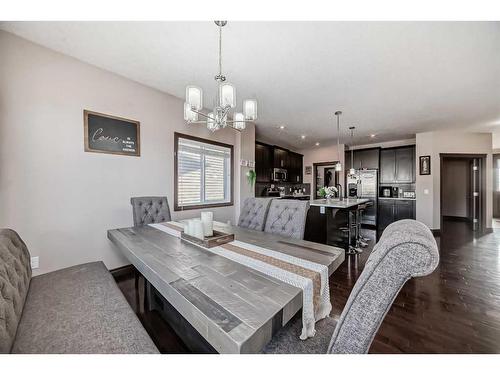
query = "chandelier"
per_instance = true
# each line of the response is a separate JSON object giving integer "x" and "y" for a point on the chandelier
{"x": 225, "y": 102}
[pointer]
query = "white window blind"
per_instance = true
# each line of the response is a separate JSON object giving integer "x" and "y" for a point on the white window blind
{"x": 203, "y": 173}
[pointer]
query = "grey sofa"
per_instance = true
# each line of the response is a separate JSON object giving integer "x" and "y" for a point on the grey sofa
{"x": 74, "y": 310}
{"x": 406, "y": 249}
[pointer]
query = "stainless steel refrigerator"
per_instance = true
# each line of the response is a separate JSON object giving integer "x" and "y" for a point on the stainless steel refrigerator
{"x": 368, "y": 189}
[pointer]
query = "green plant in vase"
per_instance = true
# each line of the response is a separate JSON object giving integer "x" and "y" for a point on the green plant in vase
{"x": 327, "y": 192}
{"x": 251, "y": 177}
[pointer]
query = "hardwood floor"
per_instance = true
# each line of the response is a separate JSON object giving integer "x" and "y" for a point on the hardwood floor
{"x": 456, "y": 309}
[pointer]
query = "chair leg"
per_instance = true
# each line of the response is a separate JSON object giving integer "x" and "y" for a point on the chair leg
{"x": 137, "y": 294}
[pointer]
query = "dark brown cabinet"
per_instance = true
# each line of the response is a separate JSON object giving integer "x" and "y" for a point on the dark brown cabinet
{"x": 268, "y": 157}
{"x": 263, "y": 162}
{"x": 405, "y": 165}
{"x": 363, "y": 159}
{"x": 294, "y": 167}
{"x": 387, "y": 166}
{"x": 280, "y": 157}
{"x": 397, "y": 165}
{"x": 391, "y": 210}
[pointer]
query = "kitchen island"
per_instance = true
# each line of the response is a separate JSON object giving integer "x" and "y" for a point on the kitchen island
{"x": 327, "y": 217}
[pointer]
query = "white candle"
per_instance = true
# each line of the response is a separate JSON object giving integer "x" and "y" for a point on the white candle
{"x": 190, "y": 228}
{"x": 198, "y": 229}
{"x": 207, "y": 218}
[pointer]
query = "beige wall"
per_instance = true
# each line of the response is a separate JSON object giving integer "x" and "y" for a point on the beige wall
{"x": 61, "y": 199}
{"x": 319, "y": 154}
{"x": 434, "y": 143}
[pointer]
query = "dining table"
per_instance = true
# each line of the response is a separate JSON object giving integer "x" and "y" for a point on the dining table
{"x": 231, "y": 307}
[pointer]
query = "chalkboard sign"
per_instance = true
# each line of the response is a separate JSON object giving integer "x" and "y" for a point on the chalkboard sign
{"x": 111, "y": 134}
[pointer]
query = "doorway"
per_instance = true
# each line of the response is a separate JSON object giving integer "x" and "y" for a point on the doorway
{"x": 324, "y": 175}
{"x": 463, "y": 191}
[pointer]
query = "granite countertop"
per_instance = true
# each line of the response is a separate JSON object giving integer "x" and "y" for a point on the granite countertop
{"x": 295, "y": 196}
{"x": 337, "y": 203}
{"x": 398, "y": 199}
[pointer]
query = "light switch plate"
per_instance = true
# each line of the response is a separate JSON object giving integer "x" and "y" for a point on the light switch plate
{"x": 426, "y": 191}
{"x": 35, "y": 262}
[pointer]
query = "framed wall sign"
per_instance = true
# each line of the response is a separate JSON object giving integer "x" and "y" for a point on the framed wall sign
{"x": 309, "y": 169}
{"x": 425, "y": 165}
{"x": 111, "y": 135}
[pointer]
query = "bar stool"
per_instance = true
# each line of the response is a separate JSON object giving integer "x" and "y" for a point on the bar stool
{"x": 361, "y": 240}
{"x": 352, "y": 219}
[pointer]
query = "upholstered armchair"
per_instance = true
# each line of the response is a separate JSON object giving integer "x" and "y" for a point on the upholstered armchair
{"x": 253, "y": 213}
{"x": 287, "y": 218}
{"x": 147, "y": 210}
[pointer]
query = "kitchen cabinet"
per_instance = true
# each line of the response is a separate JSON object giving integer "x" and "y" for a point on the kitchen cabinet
{"x": 387, "y": 166}
{"x": 363, "y": 159}
{"x": 295, "y": 167}
{"x": 280, "y": 158}
{"x": 404, "y": 209}
{"x": 263, "y": 162}
{"x": 268, "y": 157}
{"x": 397, "y": 165}
{"x": 405, "y": 165}
{"x": 391, "y": 210}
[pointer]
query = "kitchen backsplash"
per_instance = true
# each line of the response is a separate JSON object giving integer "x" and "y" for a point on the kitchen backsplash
{"x": 261, "y": 188}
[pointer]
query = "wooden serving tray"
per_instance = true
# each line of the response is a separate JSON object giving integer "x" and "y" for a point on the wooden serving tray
{"x": 217, "y": 239}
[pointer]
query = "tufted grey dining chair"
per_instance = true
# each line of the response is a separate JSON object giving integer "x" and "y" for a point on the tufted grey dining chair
{"x": 147, "y": 210}
{"x": 253, "y": 213}
{"x": 287, "y": 217}
{"x": 405, "y": 250}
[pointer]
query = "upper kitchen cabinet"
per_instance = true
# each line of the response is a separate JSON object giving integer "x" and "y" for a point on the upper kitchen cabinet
{"x": 397, "y": 165}
{"x": 405, "y": 165}
{"x": 363, "y": 159}
{"x": 295, "y": 167}
{"x": 263, "y": 162}
{"x": 280, "y": 158}
{"x": 268, "y": 157}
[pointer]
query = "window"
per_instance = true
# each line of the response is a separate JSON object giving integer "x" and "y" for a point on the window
{"x": 203, "y": 173}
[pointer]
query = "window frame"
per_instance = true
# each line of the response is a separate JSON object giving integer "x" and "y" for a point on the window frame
{"x": 177, "y": 136}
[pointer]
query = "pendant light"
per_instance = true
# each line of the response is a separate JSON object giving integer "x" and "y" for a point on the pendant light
{"x": 352, "y": 171}
{"x": 338, "y": 166}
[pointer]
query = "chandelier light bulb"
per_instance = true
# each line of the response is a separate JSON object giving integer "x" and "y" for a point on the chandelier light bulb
{"x": 194, "y": 97}
{"x": 239, "y": 121}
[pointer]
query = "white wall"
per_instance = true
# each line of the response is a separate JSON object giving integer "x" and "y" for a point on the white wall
{"x": 434, "y": 143}
{"x": 61, "y": 199}
{"x": 320, "y": 154}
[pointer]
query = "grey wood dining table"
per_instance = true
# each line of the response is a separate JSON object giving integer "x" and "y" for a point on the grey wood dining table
{"x": 234, "y": 308}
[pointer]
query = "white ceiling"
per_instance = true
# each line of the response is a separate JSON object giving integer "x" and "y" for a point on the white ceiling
{"x": 391, "y": 79}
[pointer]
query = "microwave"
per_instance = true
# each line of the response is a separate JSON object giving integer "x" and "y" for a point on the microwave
{"x": 389, "y": 192}
{"x": 279, "y": 175}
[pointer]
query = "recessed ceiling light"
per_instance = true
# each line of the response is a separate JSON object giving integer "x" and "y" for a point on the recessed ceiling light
{"x": 317, "y": 143}
{"x": 303, "y": 136}
{"x": 373, "y": 135}
{"x": 282, "y": 127}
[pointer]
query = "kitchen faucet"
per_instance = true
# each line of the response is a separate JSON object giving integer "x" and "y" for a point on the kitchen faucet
{"x": 339, "y": 187}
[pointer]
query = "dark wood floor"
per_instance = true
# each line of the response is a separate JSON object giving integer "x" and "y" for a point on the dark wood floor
{"x": 456, "y": 309}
